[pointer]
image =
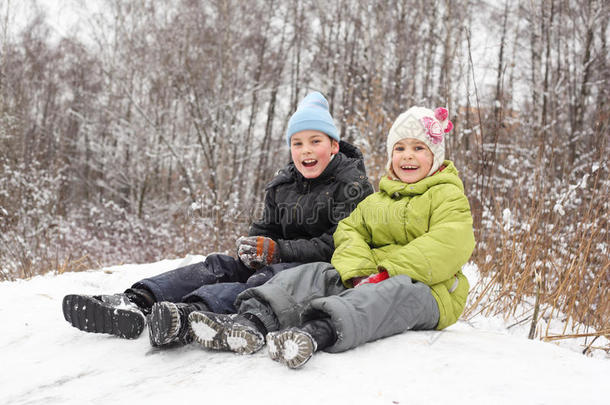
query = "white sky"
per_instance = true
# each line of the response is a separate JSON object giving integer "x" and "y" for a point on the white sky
{"x": 65, "y": 17}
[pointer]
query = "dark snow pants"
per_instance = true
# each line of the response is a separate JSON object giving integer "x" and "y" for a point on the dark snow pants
{"x": 216, "y": 281}
{"x": 359, "y": 315}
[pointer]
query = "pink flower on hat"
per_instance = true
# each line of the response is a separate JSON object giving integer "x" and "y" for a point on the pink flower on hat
{"x": 441, "y": 113}
{"x": 433, "y": 129}
{"x": 449, "y": 126}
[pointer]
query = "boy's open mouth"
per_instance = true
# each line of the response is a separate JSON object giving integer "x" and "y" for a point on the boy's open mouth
{"x": 309, "y": 162}
{"x": 409, "y": 167}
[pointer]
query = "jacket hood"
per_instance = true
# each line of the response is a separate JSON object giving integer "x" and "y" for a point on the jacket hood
{"x": 350, "y": 150}
{"x": 448, "y": 174}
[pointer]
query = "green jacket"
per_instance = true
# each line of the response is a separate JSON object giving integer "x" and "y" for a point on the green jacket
{"x": 423, "y": 230}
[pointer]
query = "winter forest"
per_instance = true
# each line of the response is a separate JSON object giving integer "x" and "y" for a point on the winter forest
{"x": 151, "y": 131}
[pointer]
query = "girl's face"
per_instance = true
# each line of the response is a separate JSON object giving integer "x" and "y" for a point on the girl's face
{"x": 411, "y": 160}
{"x": 311, "y": 152}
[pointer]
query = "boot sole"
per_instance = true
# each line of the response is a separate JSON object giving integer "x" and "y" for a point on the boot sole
{"x": 291, "y": 348}
{"x": 91, "y": 315}
{"x": 215, "y": 335}
{"x": 160, "y": 322}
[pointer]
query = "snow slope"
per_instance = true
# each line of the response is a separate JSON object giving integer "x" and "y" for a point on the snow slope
{"x": 45, "y": 360}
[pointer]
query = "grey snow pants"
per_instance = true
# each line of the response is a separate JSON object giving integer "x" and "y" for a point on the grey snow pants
{"x": 359, "y": 315}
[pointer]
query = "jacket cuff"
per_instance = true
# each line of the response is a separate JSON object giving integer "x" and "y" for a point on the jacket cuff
{"x": 286, "y": 252}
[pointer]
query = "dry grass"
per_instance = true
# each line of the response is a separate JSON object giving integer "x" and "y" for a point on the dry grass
{"x": 549, "y": 258}
{"x": 70, "y": 264}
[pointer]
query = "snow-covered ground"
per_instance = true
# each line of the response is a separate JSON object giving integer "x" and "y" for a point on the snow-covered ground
{"x": 45, "y": 360}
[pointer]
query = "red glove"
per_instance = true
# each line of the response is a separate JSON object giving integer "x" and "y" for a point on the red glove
{"x": 373, "y": 278}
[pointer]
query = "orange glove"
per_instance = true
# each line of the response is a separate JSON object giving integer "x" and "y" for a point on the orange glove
{"x": 257, "y": 251}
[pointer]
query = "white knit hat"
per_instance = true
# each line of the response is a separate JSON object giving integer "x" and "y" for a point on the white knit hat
{"x": 425, "y": 125}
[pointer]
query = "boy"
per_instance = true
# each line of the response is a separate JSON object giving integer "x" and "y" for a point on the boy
{"x": 303, "y": 204}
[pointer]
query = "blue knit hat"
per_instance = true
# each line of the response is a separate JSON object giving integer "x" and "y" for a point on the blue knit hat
{"x": 312, "y": 113}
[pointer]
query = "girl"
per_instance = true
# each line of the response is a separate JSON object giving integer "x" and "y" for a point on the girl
{"x": 396, "y": 267}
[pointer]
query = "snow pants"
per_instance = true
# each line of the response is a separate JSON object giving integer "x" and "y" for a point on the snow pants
{"x": 359, "y": 315}
{"x": 216, "y": 281}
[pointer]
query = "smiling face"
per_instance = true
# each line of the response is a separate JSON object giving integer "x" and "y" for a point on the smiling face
{"x": 411, "y": 160}
{"x": 311, "y": 152}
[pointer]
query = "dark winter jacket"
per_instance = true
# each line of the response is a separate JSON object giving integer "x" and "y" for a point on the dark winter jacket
{"x": 301, "y": 214}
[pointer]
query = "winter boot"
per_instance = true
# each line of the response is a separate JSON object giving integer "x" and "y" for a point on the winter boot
{"x": 168, "y": 322}
{"x": 295, "y": 346}
{"x": 292, "y": 347}
{"x": 233, "y": 332}
{"x": 114, "y": 314}
{"x": 143, "y": 298}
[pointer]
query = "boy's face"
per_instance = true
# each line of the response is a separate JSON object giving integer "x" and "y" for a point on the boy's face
{"x": 311, "y": 152}
{"x": 411, "y": 160}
